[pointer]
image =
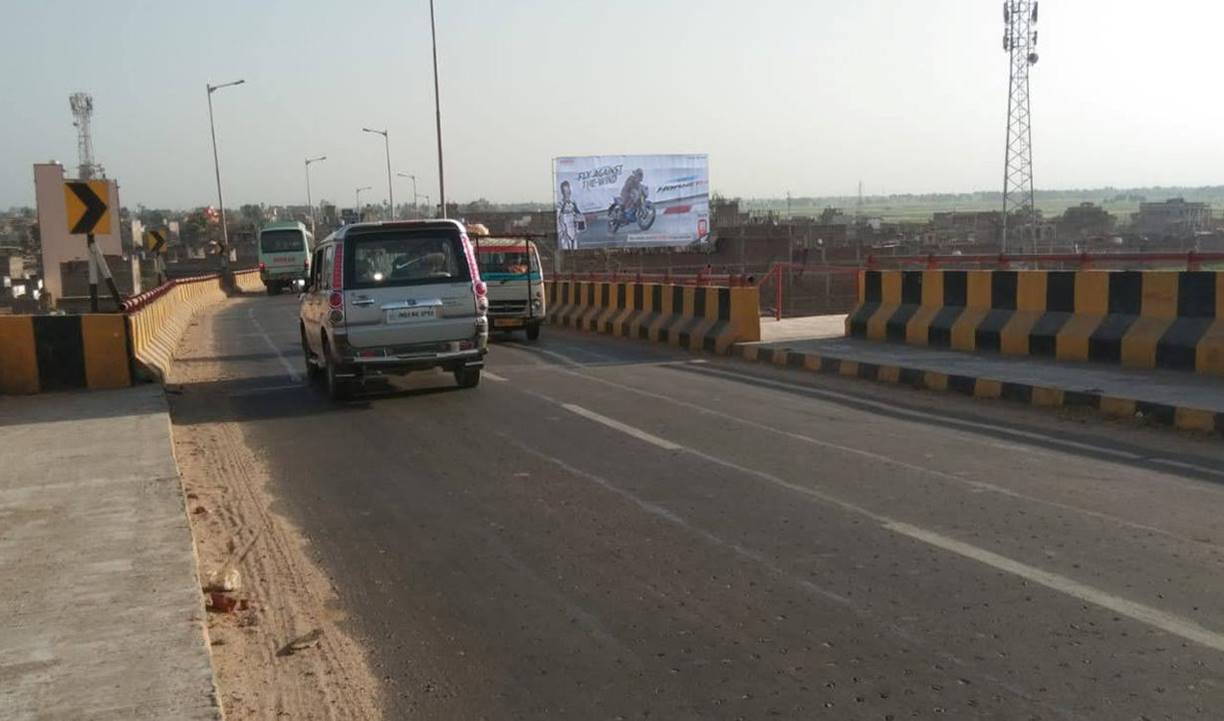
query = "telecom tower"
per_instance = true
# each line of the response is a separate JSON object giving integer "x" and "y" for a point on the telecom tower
{"x": 82, "y": 111}
{"x": 1020, "y": 42}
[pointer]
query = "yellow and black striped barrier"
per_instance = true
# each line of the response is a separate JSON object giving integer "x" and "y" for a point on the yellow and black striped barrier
{"x": 41, "y": 353}
{"x": 688, "y": 316}
{"x": 58, "y": 352}
{"x": 1136, "y": 319}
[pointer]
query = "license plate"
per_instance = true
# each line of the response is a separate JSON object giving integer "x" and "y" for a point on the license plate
{"x": 507, "y": 323}
{"x": 411, "y": 315}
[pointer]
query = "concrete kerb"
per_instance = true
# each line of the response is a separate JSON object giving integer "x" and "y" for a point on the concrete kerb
{"x": 1186, "y": 418}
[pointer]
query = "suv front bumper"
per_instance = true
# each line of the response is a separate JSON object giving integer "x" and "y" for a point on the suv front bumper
{"x": 395, "y": 360}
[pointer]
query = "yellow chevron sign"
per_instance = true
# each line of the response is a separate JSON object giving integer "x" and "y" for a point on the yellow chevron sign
{"x": 155, "y": 240}
{"x": 87, "y": 206}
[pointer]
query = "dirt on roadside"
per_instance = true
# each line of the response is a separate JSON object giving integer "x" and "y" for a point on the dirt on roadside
{"x": 277, "y": 646}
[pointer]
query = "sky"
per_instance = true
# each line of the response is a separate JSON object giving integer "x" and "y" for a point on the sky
{"x": 805, "y": 96}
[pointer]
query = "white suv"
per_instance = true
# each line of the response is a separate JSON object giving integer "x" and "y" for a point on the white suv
{"x": 394, "y": 297}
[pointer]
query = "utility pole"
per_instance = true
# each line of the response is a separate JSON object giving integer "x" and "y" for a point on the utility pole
{"x": 225, "y": 246}
{"x": 433, "y": 33}
{"x": 1020, "y": 42}
{"x": 414, "y": 191}
{"x": 387, "y": 145}
{"x": 309, "y": 202}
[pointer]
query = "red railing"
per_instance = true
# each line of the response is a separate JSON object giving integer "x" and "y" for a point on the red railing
{"x": 726, "y": 280}
{"x": 136, "y": 302}
{"x": 777, "y": 272}
{"x": 1192, "y": 260}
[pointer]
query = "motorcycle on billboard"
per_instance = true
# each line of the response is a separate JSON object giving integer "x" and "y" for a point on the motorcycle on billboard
{"x": 642, "y": 213}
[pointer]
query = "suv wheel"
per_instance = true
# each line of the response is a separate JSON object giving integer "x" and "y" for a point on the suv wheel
{"x": 338, "y": 389}
{"x": 467, "y": 377}
{"x": 313, "y": 371}
{"x": 533, "y": 332}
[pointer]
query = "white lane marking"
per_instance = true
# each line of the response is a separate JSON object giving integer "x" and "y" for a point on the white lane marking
{"x": 714, "y": 370}
{"x": 909, "y": 412}
{"x": 608, "y": 360}
{"x": 289, "y": 369}
{"x": 659, "y": 511}
{"x": 763, "y": 561}
{"x": 965, "y": 426}
{"x": 622, "y": 427}
{"x": 493, "y": 376}
{"x": 888, "y": 460}
{"x": 1168, "y": 622}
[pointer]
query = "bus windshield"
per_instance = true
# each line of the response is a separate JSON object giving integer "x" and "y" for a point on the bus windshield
{"x": 282, "y": 241}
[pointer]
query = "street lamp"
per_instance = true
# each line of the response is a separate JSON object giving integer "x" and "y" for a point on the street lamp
{"x": 217, "y": 167}
{"x": 414, "y": 193}
{"x": 309, "y": 202}
{"x": 433, "y": 33}
{"x": 387, "y": 143}
{"x": 357, "y": 202}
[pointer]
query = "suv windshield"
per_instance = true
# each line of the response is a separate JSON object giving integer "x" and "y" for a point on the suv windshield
{"x": 282, "y": 241}
{"x": 379, "y": 260}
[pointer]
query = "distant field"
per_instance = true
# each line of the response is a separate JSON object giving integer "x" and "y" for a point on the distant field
{"x": 919, "y": 208}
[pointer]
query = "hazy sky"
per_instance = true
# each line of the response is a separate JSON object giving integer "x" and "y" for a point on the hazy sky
{"x": 809, "y": 96}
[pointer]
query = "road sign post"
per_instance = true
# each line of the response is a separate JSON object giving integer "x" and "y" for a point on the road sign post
{"x": 87, "y": 207}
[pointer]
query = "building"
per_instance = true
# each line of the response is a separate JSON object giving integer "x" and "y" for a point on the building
{"x": 1173, "y": 218}
{"x": 954, "y": 227}
{"x": 1085, "y": 221}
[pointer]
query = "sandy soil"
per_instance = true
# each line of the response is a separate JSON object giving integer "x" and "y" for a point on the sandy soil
{"x": 283, "y": 595}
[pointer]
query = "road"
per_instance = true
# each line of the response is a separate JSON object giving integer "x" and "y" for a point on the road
{"x": 612, "y": 529}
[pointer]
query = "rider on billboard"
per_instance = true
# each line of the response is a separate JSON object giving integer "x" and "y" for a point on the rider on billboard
{"x": 570, "y": 220}
{"x": 631, "y": 192}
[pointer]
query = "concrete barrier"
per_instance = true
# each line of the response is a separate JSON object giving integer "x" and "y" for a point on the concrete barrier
{"x": 58, "y": 352}
{"x": 695, "y": 317}
{"x": 99, "y": 350}
{"x": 1136, "y": 319}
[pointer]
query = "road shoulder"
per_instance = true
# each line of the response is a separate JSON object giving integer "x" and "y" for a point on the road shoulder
{"x": 282, "y": 595}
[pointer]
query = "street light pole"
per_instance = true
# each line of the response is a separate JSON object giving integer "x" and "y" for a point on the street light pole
{"x": 357, "y": 201}
{"x": 433, "y": 33}
{"x": 414, "y": 190}
{"x": 310, "y": 202}
{"x": 387, "y": 143}
{"x": 212, "y": 128}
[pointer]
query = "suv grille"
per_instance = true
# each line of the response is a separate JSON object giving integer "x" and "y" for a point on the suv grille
{"x": 507, "y": 307}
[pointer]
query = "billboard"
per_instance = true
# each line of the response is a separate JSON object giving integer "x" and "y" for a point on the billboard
{"x": 631, "y": 201}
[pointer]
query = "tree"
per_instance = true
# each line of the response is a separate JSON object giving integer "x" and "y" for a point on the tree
{"x": 251, "y": 214}
{"x": 193, "y": 230}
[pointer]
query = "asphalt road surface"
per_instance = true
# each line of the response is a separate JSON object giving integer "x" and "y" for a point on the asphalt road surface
{"x": 607, "y": 529}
